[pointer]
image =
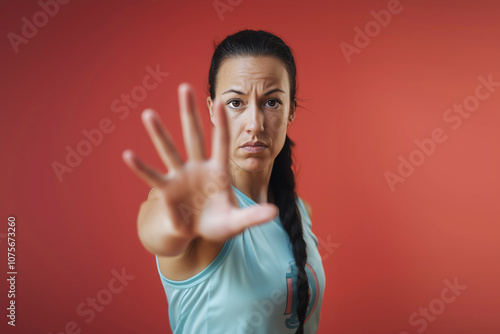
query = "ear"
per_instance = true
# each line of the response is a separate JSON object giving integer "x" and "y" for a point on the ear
{"x": 291, "y": 114}
{"x": 210, "y": 106}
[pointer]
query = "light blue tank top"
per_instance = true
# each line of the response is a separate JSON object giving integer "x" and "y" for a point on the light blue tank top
{"x": 250, "y": 287}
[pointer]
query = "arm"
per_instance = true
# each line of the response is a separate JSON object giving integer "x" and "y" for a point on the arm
{"x": 153, "y": 231}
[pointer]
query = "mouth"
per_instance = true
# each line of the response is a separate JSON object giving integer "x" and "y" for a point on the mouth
{"x": 254, "y": 147}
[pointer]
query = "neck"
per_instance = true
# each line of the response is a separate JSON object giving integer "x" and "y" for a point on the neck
{"x": 253, "y": 184}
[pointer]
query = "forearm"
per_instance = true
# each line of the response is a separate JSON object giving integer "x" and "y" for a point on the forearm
{"x": 154, "y": 230}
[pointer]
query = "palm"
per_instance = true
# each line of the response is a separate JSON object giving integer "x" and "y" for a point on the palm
{"x": 197, "y": 194}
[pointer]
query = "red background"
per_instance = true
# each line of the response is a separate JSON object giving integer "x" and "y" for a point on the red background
{"x": 389, "y": 251}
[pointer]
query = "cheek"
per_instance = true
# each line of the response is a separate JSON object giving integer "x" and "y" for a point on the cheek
{"x": 277, "y": 131}
{"x": 276, "y": 126}
{"x": 235, "y": 131}
{"x": 278, "y": 142}
{"x": 276, "y": 123}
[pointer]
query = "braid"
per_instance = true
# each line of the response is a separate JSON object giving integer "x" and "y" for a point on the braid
{"x": 282, "y": 184}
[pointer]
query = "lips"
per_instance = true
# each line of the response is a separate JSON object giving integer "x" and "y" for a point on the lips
{"x": 254, "y": 146}
{"x": 256, "y": 143}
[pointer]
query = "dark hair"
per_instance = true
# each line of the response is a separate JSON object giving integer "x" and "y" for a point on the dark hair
{"x": 282, "y": 182}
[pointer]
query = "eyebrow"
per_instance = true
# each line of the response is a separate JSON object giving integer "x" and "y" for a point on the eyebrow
{"x": 238, "y": 92}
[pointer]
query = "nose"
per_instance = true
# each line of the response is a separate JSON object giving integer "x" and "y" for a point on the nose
{"x": 255, "y": 120}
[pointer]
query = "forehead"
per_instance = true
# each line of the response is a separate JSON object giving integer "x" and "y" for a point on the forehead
{"x": 250, "y": 72}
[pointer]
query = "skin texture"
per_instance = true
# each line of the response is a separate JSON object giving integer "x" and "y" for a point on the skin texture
{"x": 186, "y": 244}
{"x": 253, "y": 115}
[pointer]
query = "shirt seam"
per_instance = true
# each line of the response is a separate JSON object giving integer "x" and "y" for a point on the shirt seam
{"x": 202, "y": 275}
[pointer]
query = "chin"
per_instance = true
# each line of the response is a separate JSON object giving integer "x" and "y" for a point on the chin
{"x": 252, "y": 164}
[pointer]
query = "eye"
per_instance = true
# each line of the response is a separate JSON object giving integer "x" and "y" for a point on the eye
{"x": 275, "y": 103}
{"x": 237, "y": 101}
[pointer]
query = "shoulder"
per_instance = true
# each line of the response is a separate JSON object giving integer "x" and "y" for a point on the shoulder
{"x": 308, "y": 207}
{"x": 197, "y": 257}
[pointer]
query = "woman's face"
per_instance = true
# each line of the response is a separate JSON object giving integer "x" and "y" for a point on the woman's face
{"x": 256, "y": 94}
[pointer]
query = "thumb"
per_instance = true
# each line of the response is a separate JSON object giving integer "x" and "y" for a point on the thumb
{"x": 253, "y": 215}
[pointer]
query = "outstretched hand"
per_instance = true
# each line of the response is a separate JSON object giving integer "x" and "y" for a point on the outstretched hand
{"x": 197, "y": 194}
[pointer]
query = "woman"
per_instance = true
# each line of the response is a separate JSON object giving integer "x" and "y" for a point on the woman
{"x": 229, "y": 263}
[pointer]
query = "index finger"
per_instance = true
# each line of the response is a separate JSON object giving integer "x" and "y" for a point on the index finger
{"x": 145, "y": 172}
